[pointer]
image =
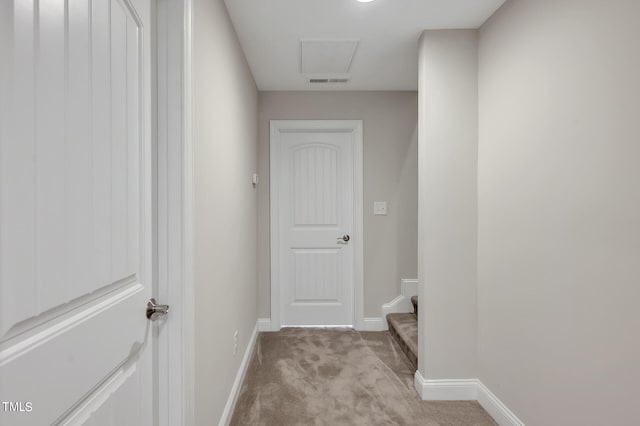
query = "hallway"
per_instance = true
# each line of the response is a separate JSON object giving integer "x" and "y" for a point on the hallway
{"x": 178, "y": 193}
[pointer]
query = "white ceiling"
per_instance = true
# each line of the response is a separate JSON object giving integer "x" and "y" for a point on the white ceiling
{"x": 386, "y": 58}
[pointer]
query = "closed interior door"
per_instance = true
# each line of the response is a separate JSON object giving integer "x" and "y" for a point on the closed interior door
{"x": 75, "y": 209}
{"x": 315, "y": 179}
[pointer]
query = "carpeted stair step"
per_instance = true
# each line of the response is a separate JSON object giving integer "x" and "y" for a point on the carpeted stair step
{"x": 414, "y": 302}
{"x": 404, "y": 328}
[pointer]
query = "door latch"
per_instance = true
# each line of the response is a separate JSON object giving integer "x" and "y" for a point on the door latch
{"x": 155, "y": 311}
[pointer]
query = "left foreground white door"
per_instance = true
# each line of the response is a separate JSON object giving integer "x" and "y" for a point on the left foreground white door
{"x": 75, "y": 209}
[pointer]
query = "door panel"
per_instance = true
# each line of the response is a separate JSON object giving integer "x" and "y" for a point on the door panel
{"x": 316, "y": 208}
{"x": 315, "y": 191}
{"x": 316, "y": 275}
{"x": 75, "y": 169}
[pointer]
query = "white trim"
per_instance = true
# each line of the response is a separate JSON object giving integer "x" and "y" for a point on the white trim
{"x": 328, "y": 327}
{"x": 496, "y": 408}
{"x": 274, "y": 196}
{"x": 466, "y": 390}
{"x": 419, "y": 383}
{"x": 355, "y": 126}
{"x": 264, "y": 324}
{"x": 399, "y": 304}
{"x": 175, "y": 362}
{"x": 188, "y": 284}
{"x": 409, "y": 287}
{"x": 358, "y": 224}
{"x": 240, "y": 375}
{"x": 402, "y": 303}
{"x": 446, "y": 390}
{"x": 373, "y": 324}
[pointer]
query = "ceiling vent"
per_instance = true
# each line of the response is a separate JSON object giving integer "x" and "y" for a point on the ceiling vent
{"x": 327, "y": 56}
{"x": 328, "y": 80}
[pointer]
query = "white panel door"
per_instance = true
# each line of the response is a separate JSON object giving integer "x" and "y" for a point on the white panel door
{"x": 316, "y": 221}
{"x": 75, "y": 208}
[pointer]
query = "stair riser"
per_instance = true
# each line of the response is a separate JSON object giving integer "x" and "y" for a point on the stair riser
{"x": 404, "y": 329}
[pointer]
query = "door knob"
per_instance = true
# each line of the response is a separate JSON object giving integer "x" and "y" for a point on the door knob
{"x": 344, "y": 238}
{"x": 155, "y": 311}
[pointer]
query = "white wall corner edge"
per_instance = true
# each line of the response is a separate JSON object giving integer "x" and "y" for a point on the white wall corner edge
{"x": 466, "y": 390}
{"x": 225, "y": 419}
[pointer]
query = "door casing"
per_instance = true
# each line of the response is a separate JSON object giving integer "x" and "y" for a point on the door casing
{"x": 175, "y": 284}
{"x": 348, "y": 126}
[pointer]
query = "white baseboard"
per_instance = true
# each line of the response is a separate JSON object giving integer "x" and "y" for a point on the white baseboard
{"x": 409, "y": 287}
{"x": 264, "y": 324}
{"x": 373, "y": 324}
{"x": 402, "y": 303}
{"x": 368, "y": 324}
{"x": 500, "y": 413}
{"x": 466, "y": 390}
{"x": 237, "y": 383}
{"x": 446, "y": 390}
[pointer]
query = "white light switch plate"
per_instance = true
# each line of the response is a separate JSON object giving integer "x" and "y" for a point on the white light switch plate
{"x": 380, "y": 208}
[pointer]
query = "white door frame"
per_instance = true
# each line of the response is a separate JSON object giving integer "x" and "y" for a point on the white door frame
{"x": 174, "y": 262}
{"x": 347, "y": 126}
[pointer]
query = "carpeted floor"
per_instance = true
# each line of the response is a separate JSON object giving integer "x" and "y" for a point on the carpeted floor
{"x": 339, "y": 377}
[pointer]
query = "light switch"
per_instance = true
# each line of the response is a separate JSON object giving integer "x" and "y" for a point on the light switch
{"x": 380, "y": 208}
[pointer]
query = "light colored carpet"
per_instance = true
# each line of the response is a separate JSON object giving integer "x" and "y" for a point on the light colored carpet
{"x": 404, "y": 328}
{"x": 339, "y": 377}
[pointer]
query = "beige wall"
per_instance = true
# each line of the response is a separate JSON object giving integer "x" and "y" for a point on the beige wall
{"x": 447, "y": 204}
{"x": 390, "y": 174}
{"x": 559, "y": 210}
{"x": 225, "y": 151}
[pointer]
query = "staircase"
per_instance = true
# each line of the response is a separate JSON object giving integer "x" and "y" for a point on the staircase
{"x": 404, "y": 328}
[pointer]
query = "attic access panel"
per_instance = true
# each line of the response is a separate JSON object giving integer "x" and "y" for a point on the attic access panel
{"x": 327, "y": 56}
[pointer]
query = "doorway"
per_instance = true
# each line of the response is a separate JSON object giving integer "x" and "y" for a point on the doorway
{"x": 316, "y": 223}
